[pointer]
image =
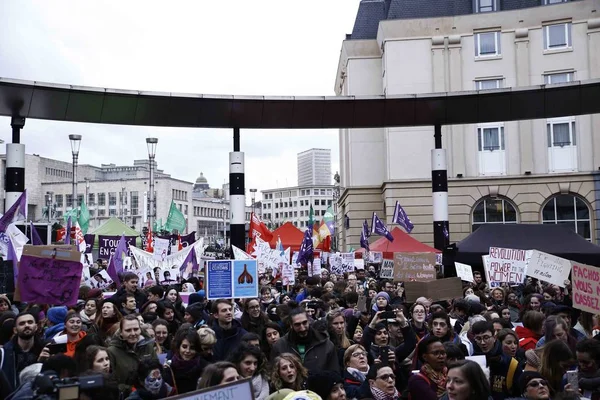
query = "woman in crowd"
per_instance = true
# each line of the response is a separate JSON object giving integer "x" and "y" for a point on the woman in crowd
{"x": 249, "y": 362}
{"x": 497, "y": 296}
{"x": 287, "y": 372}
{"x": 430, "y": 382}
{"x": 555, "y": 360}
{"x": 512, "y": 301}
{"x": 417, "y": 322}
{"x": 509, "y": 340}
{"x": 219, "y": 373}
{"x": 208, "y": 339}
{"x": 531, "y": 331}
{"x": 72, "y": 334}
{"x": 382, "y": 303}
{"x": 504, "y": 312}
{"x": 97, "y": 359}
{"x": 555, "y": 328}
{"x": 266, "y": 298}
{"x": 150, "y": 384}
{"x": 88, "y": 314}
{"x": 186, "y": 364}
{"x": 253, "y": 319}
{"x": 107, "y": 322}
{"x": 467, "y": 381}
{"x": 376, "y": 341}
{"x": 167, "y": 311}
{"x": 532, "y": 302}
{"x": 356, "y": 368}
{"x": 172, "y": 295}
{"x": 149, "y": 306}
{"x": 270, "y": 335}
{"x": 162, "y": 340}
{"x": 336, "y": 327}
{"x": 187, "y": 288}
{"x": 382, "y": 384}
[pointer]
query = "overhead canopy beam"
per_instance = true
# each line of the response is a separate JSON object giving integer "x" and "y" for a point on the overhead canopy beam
{"x": 110, "y": 106}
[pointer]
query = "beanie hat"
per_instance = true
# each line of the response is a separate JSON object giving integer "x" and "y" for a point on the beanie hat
{"x": 471, "y": 298}
{"x": 321, "y": 382}
{"x": 93, "y": 294}
{"x": 526, "y": 377}
{"x": 57, "y": 315}
{"x": 195, "y": 310}
{"x": 201, "y": 292}
{"x": 195, "y": 298}
{"x": 383, "y": 294}
{"x": 532, "y": 357}
{"x": 4, "y": 297}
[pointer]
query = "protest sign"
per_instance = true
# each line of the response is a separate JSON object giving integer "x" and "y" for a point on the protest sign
{"x": 375, "y": 257}
{"x": 414, "y": 267}
{"x": 240, "y": 254}
{"x": 161, "y": 249}
{"x": 227, "y": 279}
{"x": 548, "y": 268}
{"x": 241, "y": 389}
{"x": 335, "y": 264}
{"x": 101, "y": 280}
{"x": 359, "y": 263}
{"x": 245, "y": 279}
{"x": 464, "y": 272}
{"x": 586, "y": 287}
{"x": 287, "y": 274}
{"x": 89, "y": 242}
{"x": 316, "y": 267}
{"x": 146, "y": 260}
{"x": 348, "y": 262}
{"x": 507, "y": 265}
{"x": 49, "y": 274}
{"x": 436, "y": 290}
{"x": 387, "y": 269}
{"x": 108, "y": 244}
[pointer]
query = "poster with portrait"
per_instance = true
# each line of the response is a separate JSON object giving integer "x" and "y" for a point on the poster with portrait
{"x": 169, "y": 276}
{"x": 101, "y": 280}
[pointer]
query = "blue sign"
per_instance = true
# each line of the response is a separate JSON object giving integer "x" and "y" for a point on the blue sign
{"x": 245, "y": 279}
{"x": 219, "y": 280}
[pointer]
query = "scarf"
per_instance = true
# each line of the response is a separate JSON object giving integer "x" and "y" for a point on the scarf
{"x": 437, "y": 377}
{"x": 85, "y": 319}
{"x": 54, "y": 330}
{"x": 361, "y": 376}
{"x": 379, "y": 394}
{"x": 180, "y": 364}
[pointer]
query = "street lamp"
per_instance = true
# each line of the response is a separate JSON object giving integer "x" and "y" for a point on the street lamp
{"x": 253, "y": 194}
{"x": 75, "y": 143}
{"x": 49, "y": 205}
{"x": 151, "y": 143}
{"x": 336, "y": 197}
{"x": 224, "y": 225}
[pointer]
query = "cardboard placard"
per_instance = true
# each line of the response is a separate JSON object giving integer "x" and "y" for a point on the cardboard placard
{"x": 409, "y": 267}
{"x": 548, "y": 268}
{"x": 348, "y": 262}
{"x": 440, "y": 289}
{"x": 241, "y": 389}
{"x": 375, "y": 257}
{"x": 507, "y": 265}
{"x": 387, "y": 269}
{"x": 359, "y": 263}
{"x": 464, "y": 272}
{"x": 586, "y": 287}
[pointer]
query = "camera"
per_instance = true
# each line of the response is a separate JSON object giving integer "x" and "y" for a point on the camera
{"x": 48, "y": 385}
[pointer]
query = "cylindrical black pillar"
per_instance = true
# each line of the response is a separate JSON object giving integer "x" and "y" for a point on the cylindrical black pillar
{"x": 439, "y": 188}
{"x": 15, "y": 164}
{"x": 237, "y": 195}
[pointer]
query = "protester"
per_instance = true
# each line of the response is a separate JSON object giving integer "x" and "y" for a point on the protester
{"x": 467, "y": 381}
{"x": 287, "y": 372}
{"x": 97, "y": 359}
{"x": 228, "y": 330}
{"x": 149, "y": 382}
{"x": 430, "y": 382}
{"x": 356, "y": 368}
{"x": 249, "y": 362}
{"x": 186, "y": 365}
{"x": 219, "y": 373}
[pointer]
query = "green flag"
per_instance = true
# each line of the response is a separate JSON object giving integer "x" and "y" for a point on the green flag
{"x": 71, "y": 214}
{"x": 175, "y": 220}
{"x": 311, "y": 217}
{"x": 157, "y": 225}
{"x": 84, "y": 217}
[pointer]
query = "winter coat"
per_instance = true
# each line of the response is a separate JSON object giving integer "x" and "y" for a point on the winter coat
{"x": 503, "y": 383}
{"x": 573, "y": 332}
{"x": 124, "y": 360}
{"x": 422, "y": 388}
{"x": 527, "y": 338}
{"x": 227, "y": 340}
{"x": 143, "y": 394}
{"x": 260, "y": 387}
{"x": 120, "y": 295}
{"x": 9, "y": 362}
{"x": 320, "y": 353}
{"x": 186, "y": 378}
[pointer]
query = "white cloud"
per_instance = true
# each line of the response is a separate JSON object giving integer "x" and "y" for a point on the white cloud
{"x": 260, "y": 47}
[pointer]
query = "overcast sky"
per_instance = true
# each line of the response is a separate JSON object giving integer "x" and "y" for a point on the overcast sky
{"x": 240, "y": 47}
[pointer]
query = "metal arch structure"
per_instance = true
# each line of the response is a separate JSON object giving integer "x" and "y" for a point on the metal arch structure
{"x": 125, "y": 107}
{"x": 25, "y": 99}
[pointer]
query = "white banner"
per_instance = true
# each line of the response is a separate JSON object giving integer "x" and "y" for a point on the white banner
{"x": 548, "y": 268}
{"x": 161, "y": 249}
{"x": 240, "y": 254}
{"x": 316, "y": 267}
{"x": 146, "y": 260}
{"x": 287, "y": 274}
{"x": 348, "y": 262}
{"x": 359, "y": 263}
{"x": 464, "y": 272}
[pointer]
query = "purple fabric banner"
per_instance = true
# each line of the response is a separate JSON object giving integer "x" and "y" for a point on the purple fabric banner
{"x": 108, "y": 244}
{"x": 35, "y": 236}
{"x": 306, "y": 248}
{"x": 89, "y": 242}
{"x": 401, "y": 218}
{"x": 188, "y": 240}
{"x": 379, "y": 228}
{"x": 190, "y": 265}
{"x": 49, "y": 280}
{"x": 364, "y": 236}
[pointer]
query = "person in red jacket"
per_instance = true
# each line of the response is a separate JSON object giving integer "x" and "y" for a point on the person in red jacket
{"x": 532, "y": 329}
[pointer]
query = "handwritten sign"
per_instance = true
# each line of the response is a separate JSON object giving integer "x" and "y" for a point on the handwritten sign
{"x": 548, "y": 268}
{"x": 387, "y": 269}
{"x": 507, "y": 265}
{"x": 348, "y": 262}
{"x": 316, "y": 267}
{"x": 414, "y": 267}
{"x": 241, "y": 389}
{"x": 586, "y": 287}
{"x": 287, "y": 274}
{"x": 49, "y": 275}
{"x": 437, "y": 290}
{"x": 359, "y": 263}
{"x": 464, "y": 272}
{"x": 335, "y": 263}
{"x": 375, "y": 257}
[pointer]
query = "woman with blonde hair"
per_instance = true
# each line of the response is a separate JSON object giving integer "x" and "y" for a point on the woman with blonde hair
{"x": 208, "y": 339}
{"x": 287, "y": 372}
{"x": 356, "y": 368}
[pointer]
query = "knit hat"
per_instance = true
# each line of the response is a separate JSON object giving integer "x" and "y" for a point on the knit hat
{"x": 201, "y": 292}
{"x": 383, "y": 294}
{"x": 526, "y": 377}
{"x": 195, "y": 298}
{"x": 471, "y": 298}
{"x": 94, "y": 294}
{"x": 321, "y": 382}
{"x": 4, "y": 297}
{"x": 558, "y": 309}
{"x": 57, "y": 315}
{"x": 532, "y": 357}
{"x": 195, "y": 310}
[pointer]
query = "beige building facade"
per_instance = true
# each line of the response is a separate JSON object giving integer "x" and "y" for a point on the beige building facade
{"x": 534, "y": 171}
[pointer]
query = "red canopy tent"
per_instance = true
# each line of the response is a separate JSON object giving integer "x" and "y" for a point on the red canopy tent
{"x": 403, "y": 242}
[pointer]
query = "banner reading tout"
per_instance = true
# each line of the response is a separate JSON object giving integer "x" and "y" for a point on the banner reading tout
{"x": 108, "y": 244}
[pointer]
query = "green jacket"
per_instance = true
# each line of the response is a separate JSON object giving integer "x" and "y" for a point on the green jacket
{"x": 124, "y": 360}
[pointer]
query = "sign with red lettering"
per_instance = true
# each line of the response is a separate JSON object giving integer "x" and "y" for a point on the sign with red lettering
{"x": 507, "y": 265}
{"x": 586, "y": 287}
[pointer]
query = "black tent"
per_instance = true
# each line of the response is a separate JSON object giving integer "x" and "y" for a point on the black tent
{"x": 554, "y": 239}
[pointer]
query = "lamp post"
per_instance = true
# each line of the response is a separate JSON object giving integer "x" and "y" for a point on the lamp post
{"x": 49, "y": 205}
{"x": 253, "y": 194}
{"x": 224, "y": 225}
{"x": 75, "y": 143}
{"x": 336, "y": 197}
{"x": 151, "y": 143}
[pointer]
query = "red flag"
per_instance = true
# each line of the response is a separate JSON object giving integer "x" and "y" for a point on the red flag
{"x": 60, "y": 234}
{"x": 149, "y": 247}
{"x": 179, "y": 246}
{"x": 259, "y": 229}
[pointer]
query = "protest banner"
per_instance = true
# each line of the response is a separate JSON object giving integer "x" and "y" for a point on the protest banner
{"x": 387, "y": 269}
{"x": 548, "y": 268}
{"x": 335, "y": 264}
{"x": 586, "y": 287}
{"x": 316, "y": 267}
{"x": 227, "y": 279}
{"x": 101, "y": 280}
{"x": 414, "y": 267}
{"x": 287, "y": 274}
{"x": 237, "y": 390}
{"x": 271, "y": 259}
{"x": 359, "y": 263}
{"x": 464, "y": 272}
{"x": 49, "y": 274}
{"x": 161, "y": 249}
{"x": 146, "y": 260}
{"x": 245, "y": 279}
{"x": 348, "y": 262}
{"x": 436, "y": 290}
{"x": 108, "y": 244}
{"x": 375, "y": 257}
{"x": 89, "y": 242}
{"x": 240, "y": 254}
{"x": 507, "y": 265}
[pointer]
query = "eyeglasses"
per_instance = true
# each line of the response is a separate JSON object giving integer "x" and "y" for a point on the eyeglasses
{"x": 535, "y": 384}
{"x": 359, "y": 354}
{"x": 482, "y": 339}
{"x": 386, "y": 377}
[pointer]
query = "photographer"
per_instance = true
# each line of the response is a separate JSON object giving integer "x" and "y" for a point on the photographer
{"x": 63, "y": 365}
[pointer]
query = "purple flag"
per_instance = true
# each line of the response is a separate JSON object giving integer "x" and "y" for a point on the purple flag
{"x": 187, "y": 240}
{"x": 379, "y": 228}
{"x": 189, "y": 266}
{"x": 89, "y": 242}
{"x": 35, "y": 237}
{"x": 12, "y": 256}
{"x": 364, "y": 236}
{"x": 115, "y": 265}
{"x": 112, "y": 271}
{"x": 401, "y": 218}
{"x": 68, "y": 232}
{"x": 16, "y": 212}
{"x": 306, "y": 248}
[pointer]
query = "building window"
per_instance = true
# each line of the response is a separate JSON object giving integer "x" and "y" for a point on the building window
{"x": 546, "y": 2}
{"x": 493, "y": 211}
{"x": 562, "y": 144}
{"x": 323, "y": 202}
{"x": 491, "y": 146}
{"x": 569, "y": 210}
{"x": 557, "y": 36}
{"x": 285, "y": 204}
{"x": 301, "y": 213}
{"x": 482, "y": 6}
{"x": 101, "y": 199}
{"x": 69, "y": 200}
{"x": 276, "y": 205}
{"x": 559, "y": 78}
{"x": 487, "y": 44}
{"x": 486, "y": 84}
{"x": 112, "y": 199}
{"x": 58, "y": 199}
{"x": 490, "y": 138}
{"x": 79, "y": 200}
{"x": 91, "y": 199}
{"x": 322, "y": 192}
{"x": 316, "y": 202}
{"x": 101, "y": 213}
{"x": 112, "y": 212}
{"x": 295, "y": 204}
{"x": 316, "y": 192}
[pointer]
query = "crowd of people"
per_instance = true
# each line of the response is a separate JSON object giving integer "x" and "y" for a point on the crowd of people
{"x": 329, "y": 337}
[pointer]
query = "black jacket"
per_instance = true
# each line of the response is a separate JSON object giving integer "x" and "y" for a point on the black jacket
{"x": 500, "y": 365}
{"x": 320, "y": 353}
